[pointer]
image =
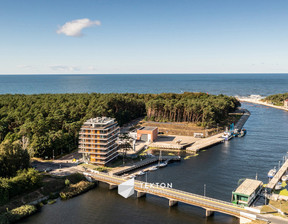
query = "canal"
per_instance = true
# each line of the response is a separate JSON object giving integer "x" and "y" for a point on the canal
{"x": 219, "y": 168}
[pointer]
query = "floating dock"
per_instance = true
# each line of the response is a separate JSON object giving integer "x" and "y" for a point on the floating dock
{"x": 271, "y": 185}
{"x": 145, "y": 162}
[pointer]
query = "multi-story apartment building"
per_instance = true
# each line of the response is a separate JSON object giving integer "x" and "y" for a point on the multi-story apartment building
{"x": 97, "y": 140}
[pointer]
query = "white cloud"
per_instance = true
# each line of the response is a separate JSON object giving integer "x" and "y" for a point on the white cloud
{"x": 74, "y": 27}
{"x": 64, "y": 68}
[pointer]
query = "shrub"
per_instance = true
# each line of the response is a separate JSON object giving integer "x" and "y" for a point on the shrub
{"x": 17, "y": 214}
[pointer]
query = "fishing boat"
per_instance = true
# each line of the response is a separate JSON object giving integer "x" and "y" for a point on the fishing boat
{"x": 227, "y": 136}
{"x": 284, "y": 178}
{"x": 242, "y": 133}
{"x": 278, "y": 186}
{"x": 272, "y": 173}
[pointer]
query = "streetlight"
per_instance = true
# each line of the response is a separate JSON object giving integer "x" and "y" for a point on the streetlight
{"x": 146, "y": 174}
{"x": 53, "y": 154}
{"x": 204, "y": 190}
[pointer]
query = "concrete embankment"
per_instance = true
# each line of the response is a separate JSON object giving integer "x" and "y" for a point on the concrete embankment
{"x": 216, "y": 139}
{"x": 204, "y": 143}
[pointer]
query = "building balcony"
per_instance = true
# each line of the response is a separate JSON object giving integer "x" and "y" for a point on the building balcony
{"x": 110, "y": 128}
{"x": 95, "y": 137}
{"x": 105, "y": 133}
{"x": 83, "y": 149}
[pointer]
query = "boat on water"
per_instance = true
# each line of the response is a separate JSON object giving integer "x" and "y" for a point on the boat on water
{"x": 284, "y": 178}
{"x": 153, "y": 168}
{"x": 278, "y": 186}
{"x": 162, "y": 164}
{"x": 140, "y": 173}
{"x": 242, "y": 133}
{"x": 227, "y": 136}
{"x": 272, "y": 173}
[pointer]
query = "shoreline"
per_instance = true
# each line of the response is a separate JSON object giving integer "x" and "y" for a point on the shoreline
{"x": 258, "y": 101}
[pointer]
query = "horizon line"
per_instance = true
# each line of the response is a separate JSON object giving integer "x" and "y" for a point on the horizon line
{"x": 200, "y": 73}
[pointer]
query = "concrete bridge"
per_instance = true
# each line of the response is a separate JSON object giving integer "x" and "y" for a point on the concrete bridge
{"x": 174, "y": 196}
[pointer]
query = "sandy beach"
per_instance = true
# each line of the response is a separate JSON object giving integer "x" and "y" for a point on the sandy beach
{"x": 258, "y": 101}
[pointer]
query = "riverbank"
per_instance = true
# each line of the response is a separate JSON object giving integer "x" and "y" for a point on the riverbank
{"x": 52, "y": 188}
{"x": 259, "y": 101}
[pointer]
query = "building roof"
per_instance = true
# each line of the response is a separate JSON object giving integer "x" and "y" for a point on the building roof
{"x": 100, "y": 121}
{"x": 248, "y": 187}
{"x": 147, "y": 128}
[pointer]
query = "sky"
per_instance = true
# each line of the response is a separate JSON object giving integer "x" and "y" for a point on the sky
{"x": 143, "y": 36}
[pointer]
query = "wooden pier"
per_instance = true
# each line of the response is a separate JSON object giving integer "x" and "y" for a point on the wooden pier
{"x": 271, "y": 185}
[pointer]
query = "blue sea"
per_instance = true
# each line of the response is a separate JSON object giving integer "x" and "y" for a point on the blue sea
{"x": 228, "y": 84}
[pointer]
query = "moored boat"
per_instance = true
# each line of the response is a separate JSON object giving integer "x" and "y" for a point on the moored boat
{"x": 227, "y": 136}
{"x": 242, "y": 133}
{"x": 162, "y": 164}
{"x": 284, "y": 178}
{"x": 153, "y": 168}
{"x": 140, "y": 173}
{"x": 272, "y": 173}
{"x": 278, "y": 186}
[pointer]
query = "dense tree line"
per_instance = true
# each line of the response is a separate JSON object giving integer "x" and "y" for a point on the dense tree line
{"x": 50, "y": 122}
{"x": 277, "y": 99}
{"x": 199, "y": 108}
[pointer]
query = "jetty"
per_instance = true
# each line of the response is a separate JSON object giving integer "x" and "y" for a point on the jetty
{"x": 245, "y": 115}
{"x": 216, "y": 139}
{"x": 204, "y": 143}
{"x": 174, "y": 196}
{"x": 271, "y": 185}
{"x": 145, "y": 162}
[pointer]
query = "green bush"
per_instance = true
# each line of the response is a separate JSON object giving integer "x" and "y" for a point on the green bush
{"x": 17, "y": 214}
{"x": 67, "y": 182}
{"x": 76, "y": 189}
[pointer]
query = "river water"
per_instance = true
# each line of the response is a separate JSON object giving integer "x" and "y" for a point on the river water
{"x": 219, "y": 167}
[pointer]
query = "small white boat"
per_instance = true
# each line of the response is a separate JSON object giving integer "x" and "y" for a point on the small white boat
{"x": 153, "y": 168}
{"x": 284, "y": 178}
{"x": 140, "y": 173}
{"x": 162, "y": 164}
{"x": 272, "y": 173}
{"x": 227, "y": 136}
{"x": 278, "y": 186}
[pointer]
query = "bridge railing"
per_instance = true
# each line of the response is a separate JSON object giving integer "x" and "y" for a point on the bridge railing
{"x": 195, "y": 195}
{"x": 196, "y": 200}
{"x": 160, "y": 189}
